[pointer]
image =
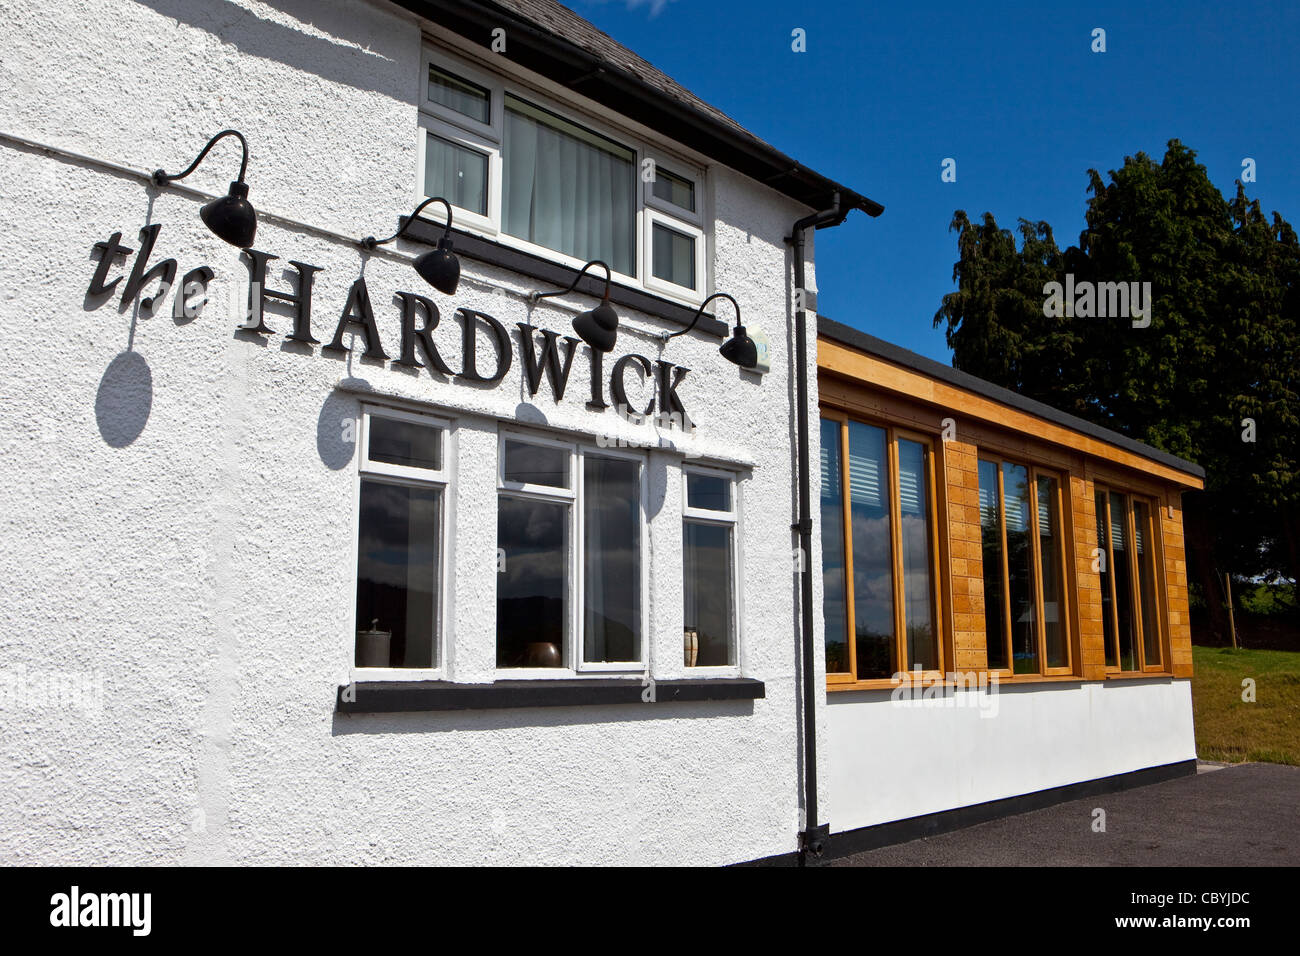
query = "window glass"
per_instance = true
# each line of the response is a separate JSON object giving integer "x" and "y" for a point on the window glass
{"x": 459, "y": 95}
{"x": 1049, "y": 557}
{"x": 707, "y": 565}
{"x": 708, "y": 492}
{"x": 1107, "y": 599}
{"x": 611, "y": 512}
{"x": 873, "y": 579}
{"x": 835, "y": 610}
{"x": 674, "y": 189}
{"x": 918, "y": 586}
{"x": 1147, "y": 585}
{"x": 1020, "y": 575}
{"x": 567, "y": 188}
{"x": 396, "y": 441}
{"x": 991, "y": 545}
{"x": 673, "y": 256}
{"x": 529, "y": 464}
{"x": 397, "y": 568}
{"x": 1122, "y": 549}
{"x": 532, "y": 571}
{"x": 457, "y": 173}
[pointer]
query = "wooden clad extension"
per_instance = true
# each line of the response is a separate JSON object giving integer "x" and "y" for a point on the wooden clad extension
{"x": 871, "y": 387}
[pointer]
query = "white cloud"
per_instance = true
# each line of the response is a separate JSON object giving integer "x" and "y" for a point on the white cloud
{"x": 655, "y": 7}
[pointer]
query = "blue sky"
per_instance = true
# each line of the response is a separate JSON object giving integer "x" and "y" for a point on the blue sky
{"x": 1011, "y": 91}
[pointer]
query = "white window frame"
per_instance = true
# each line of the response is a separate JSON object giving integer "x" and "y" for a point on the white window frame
{"x": 730, "y": 519}
{"x": 444, "y": 480}
{"x": 681, "y": 171}
{"x": 652, "y": 281}
{"x": 490, "y": 130}
{"x": 461, "y": 216}
{"x": 573, "y": 497}
{"x": 472, "y": 134}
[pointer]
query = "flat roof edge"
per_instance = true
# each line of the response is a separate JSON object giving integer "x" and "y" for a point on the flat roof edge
{"x": 854, "y": 338}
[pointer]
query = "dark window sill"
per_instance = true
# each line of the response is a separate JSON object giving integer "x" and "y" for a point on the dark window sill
{"x": 554, "y": 276}
{"x": 387, "y": 697}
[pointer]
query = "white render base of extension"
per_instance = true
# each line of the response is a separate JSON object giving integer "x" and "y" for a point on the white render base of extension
{"x": 891, "y": 760}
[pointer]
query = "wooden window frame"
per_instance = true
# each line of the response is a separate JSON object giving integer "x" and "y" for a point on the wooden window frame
{"x": 1065, "y": 616}
{"x": 1156, "y": 545}
{"x": 839, "y": 681}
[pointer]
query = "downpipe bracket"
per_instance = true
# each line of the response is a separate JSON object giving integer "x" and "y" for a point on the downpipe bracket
{"x": 812, "y": 844}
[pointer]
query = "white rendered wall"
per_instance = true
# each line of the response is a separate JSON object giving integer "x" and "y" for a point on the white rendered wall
{"x": 890, "y": 760}
{"x": 204, "y": 572}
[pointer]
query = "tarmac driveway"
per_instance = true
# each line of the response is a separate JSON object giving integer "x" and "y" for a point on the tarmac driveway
{"x": 1243, "y": 815}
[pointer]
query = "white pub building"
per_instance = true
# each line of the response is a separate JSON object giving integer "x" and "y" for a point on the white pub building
{"x": 412, "y": 456}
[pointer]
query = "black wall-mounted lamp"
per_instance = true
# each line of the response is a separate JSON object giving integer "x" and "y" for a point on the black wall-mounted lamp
{"x": 231, "y": 217}
{"x": 439, "y": 267}
{"x": 739, "y": 349}
{"x": 597, "y": 327}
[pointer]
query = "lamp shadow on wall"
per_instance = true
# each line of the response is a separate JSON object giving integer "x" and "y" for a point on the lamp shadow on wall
{"x": 124, "y": 399}
{"x": 529, "y": 414}
{"x": 336, "y": 426}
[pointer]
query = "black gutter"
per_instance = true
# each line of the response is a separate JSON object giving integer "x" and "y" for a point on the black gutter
{"x": 563, "y": 61}
{"x": 846, "y": 335}
{"x": 812, "y": 840}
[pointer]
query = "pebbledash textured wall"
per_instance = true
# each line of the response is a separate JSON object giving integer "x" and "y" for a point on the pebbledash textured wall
{"x": 202, "y": 571}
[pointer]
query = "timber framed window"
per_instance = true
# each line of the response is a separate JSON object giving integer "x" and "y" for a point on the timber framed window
{"x": 539, "y": 176}
{"x": 563, "y": 608}
{"x": 880, "y": 552}
{"x": 1130, "y": 585}
{"x": 400, "y": 527}
{"x": 1024, "y": 549}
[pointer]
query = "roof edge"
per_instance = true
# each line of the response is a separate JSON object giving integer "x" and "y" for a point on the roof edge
{"x": 847, "y": 335}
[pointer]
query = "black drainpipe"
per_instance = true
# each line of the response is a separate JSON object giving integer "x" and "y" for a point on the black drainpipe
{"x": 812, "y": 841}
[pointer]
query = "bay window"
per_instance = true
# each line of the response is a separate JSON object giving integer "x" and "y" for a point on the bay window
{"x": 570, "y": 575}
{"x": 1024, "y": 551}
{"x": 538, "y": 176}
{"x": 400, "y": 520}
{"x": 709, "y": 569}
{"x": 1131, "y": 618}
{"x": 879, "y": 553}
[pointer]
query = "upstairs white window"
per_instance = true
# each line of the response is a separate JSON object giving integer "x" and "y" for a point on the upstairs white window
{"x": 542, "y": 178}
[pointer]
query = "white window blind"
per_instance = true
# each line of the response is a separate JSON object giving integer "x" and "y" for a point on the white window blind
{"x": 864, "y": 481}
{"x": 1017, "y": 514}
{"x": 830, "y": 471}
{"x": 911, "y": 477}
{"x": 988, "y": 504}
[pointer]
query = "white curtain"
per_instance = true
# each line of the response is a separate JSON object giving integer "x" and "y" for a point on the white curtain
{"x": 563, "y": 191}
{"x": 455, "y": 173}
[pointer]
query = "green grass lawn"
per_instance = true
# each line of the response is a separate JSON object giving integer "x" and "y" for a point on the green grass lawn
{"x": 1231, "y": 730}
